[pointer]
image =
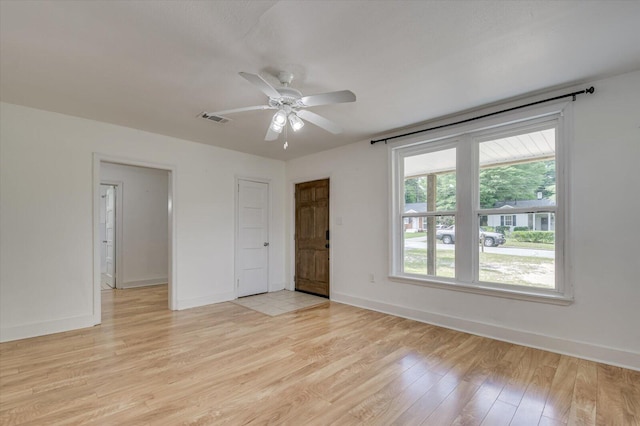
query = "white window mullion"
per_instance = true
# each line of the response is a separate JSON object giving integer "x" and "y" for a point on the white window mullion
{"x": 464, "y": 219}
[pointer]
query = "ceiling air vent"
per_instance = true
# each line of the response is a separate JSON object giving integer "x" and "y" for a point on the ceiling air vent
{"x": 213, "y": 117}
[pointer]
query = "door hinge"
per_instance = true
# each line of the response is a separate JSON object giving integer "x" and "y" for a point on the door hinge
{"x": 238, "y": 284}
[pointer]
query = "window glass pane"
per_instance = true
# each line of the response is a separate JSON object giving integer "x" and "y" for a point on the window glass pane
{"x": 518, "y": 171}
{"x": 429, "y": 253}
{"x": 430, "y": 181}
{"x": 523, "y": 256}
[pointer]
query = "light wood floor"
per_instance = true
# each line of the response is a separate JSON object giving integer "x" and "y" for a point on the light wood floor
{"x": 332, "y": 364}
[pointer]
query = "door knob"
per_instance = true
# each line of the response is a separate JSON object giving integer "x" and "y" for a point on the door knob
{"x": 266, "y": 244}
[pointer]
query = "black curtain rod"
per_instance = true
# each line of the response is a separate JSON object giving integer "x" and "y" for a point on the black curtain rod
{"x": 574, "y": 94}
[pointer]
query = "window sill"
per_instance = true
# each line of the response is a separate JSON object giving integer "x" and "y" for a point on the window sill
{"x": 530, "y": 296}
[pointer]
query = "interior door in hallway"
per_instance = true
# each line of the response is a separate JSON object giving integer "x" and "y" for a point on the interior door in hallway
{"x": 312, "y": 237}
{"x": 109, "y": 242}
{"x": 253, "y": 238}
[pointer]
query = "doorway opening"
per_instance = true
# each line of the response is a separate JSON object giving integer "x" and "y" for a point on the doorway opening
{"x": 312, "y": 237}
{"x": 140, "y": 194}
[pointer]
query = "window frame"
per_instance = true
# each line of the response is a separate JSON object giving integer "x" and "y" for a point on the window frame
{"x": 466, "y": 138}
{"x": 440, "y": 145}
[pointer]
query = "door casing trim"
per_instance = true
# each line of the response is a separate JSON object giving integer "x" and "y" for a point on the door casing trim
{"x": 99, "y": 158}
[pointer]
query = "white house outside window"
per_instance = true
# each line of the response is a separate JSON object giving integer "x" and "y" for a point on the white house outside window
{"x": 481, "y": 208}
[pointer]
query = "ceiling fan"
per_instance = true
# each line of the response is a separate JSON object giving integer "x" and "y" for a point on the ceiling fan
{"x": 291, "y": 105}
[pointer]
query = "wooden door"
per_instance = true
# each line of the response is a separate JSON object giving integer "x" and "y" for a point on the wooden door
{"x": 312, "y": 237}
{"x": 253, "y": 238}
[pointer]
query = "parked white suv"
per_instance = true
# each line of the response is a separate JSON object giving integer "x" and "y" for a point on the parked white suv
{"x": 491, "y": 239}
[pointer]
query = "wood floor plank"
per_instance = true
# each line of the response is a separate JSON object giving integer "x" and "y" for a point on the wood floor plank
{"x": 584, "y": 397}
{"x": 523, "y": 374}
{"x": 558, "y": 404}
{"x": 478, "y": 406}
{"x": 500, "y": 414}
{"x": 533, "y": 401}
{"x": 427, "y": 404}
{"x": 450, "y": 408}
{"x": 368, "y": 407}
{"x": 617, "y": 397}
{"x": 225, "y": 364}
{"x": 387, "y": 412}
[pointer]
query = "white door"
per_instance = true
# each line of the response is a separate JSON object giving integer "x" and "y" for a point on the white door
{"x": 253, "y": 238}
{"x": 109, "y": 236}
{"x": 103, "y": 230}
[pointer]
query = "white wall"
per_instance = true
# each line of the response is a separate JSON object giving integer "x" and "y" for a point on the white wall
{"x": 46, "y": 216}
{"x": 144, "y": 245}
{"x": 604, "y": 321}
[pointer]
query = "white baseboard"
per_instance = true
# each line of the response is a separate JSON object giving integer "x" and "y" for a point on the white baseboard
{"x": 206, "y": 300}
{"x": 144, "y": 283}
{"x": 26, "y": 331}
{"x": 277, "y": 287}
{"x": 588, "y": 351}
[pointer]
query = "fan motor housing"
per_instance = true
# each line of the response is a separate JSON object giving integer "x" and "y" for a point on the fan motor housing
{"x": 289, "y": 95}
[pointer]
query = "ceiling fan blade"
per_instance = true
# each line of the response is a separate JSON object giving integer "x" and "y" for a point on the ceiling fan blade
{"x": 261, "y": 84}
{"x": 271, "y": 135}
{"x": 233, "y": 111}
{"x": 319, "y": 121}
{"x": 329, "y": 98}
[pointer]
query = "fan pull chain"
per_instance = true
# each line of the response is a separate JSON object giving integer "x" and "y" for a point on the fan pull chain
{"x": 286, "y": 144}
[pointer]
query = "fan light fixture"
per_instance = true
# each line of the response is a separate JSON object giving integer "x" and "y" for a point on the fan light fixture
{"x": 279, "y": 121}
{"x": 276, "y": 128}
{"x": 296, "y": 123}
{"x": 280, "y": 118}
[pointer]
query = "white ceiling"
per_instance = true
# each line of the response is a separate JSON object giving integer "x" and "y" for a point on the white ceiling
{"x": 154, "y": 65}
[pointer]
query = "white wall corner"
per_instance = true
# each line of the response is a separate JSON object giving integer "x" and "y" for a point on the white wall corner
{"x": 277, "y": 286}
{"x": 588, "y": 351}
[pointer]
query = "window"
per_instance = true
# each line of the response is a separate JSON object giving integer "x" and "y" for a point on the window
{"x": 430, "y": 199}
{"x": 481, "y": 208}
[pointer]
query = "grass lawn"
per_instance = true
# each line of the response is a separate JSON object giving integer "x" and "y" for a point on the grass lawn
{"x": 414, "y": 234}
{"x": 511, "y": 243}
{"x": 497, "y": 268}
{"x": 524, "y": 270}
{"x": 415, "y": 262}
